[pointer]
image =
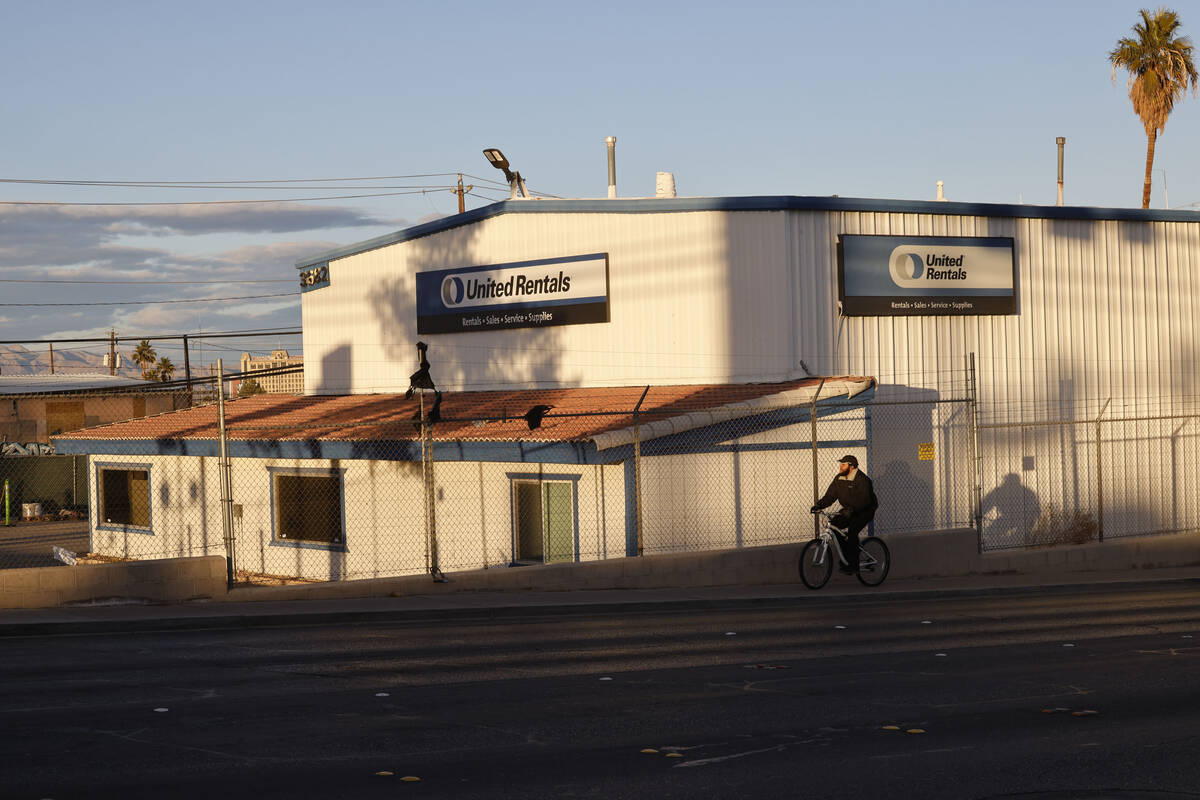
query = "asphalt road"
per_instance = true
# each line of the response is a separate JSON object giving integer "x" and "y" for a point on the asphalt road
{"x": 955, "y": 697}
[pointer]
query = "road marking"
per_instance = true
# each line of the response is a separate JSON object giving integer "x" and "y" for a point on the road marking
{"x": 925, "y": 752}
{"x": 717, "y": 759}
{"x": 1168, "y": 651}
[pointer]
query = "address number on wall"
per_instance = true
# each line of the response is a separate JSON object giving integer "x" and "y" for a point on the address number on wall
{"x": 314, "y": 278}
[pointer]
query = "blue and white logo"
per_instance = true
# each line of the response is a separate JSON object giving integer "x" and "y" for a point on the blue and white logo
{"x": 881, "y": 275}
{"x": 453, "y": 291}
{"x": 907, "y": 266}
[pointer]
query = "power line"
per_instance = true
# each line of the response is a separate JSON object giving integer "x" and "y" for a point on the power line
{"x": 225, "y": 202}
{"x": 80, "y": 182}
{"x": 155, "y": 336}
{"x": 209, "y": 187}
{"x": 147, "y": 302}
{"x": 139, "y": 283}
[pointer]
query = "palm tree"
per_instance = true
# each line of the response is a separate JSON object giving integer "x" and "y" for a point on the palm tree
{"x": 143, "y": 356}
{"x": 1160, "y": 69}
{"x": 164, "y": 369}
{"x": 250, "y": 387}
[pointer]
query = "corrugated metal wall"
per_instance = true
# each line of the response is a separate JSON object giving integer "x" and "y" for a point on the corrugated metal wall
{"x": 694, "y": 298}
{"x": 1107, "y": 311}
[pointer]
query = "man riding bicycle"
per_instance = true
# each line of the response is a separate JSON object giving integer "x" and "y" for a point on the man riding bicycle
{"x": 854, "y": 491}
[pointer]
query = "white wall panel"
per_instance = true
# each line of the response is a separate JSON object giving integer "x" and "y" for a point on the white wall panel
{"x": 1107, "y": 312}
{"x": 384, "y": 517}
{"x": 693, "y": 297}
{"x": 1106, "y": 309}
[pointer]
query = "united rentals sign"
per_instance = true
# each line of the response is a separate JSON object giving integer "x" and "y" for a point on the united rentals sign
{"x": 926, "y": 275}
{"x": 526, "y": 294}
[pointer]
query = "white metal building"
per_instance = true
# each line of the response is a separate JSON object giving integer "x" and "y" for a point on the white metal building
{"x": 1065, "y": 313}
{"x": 712, "y": 290}
{"x": 1105, "y": 303}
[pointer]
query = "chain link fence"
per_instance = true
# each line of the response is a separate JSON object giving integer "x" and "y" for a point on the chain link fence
{"x": 1073, "y": 481}
{"x": 46, "y": 496}
{"x": 369, "y": 491}
{"x": 317, "y": 489}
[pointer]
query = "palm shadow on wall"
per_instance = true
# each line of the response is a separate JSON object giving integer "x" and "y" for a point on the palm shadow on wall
{"x": 464, "y": 361}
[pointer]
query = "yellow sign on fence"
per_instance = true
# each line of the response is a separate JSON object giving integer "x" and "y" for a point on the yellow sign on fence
{"x": 925, "y": 451}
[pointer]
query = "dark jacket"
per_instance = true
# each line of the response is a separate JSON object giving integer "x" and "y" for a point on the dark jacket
{"x": 857, "y": 496}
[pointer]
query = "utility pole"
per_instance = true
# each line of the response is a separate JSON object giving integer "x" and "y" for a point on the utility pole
{"x": 112, "y": 351}
{"x": 461, "y": 192}
{"x": 52, "y": 358}
{"x": 187, "y": 370}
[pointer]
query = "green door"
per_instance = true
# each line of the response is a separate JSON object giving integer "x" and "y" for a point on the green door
{"x": 559, "y": 511}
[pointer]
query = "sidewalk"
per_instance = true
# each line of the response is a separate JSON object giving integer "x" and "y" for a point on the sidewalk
{"x": 468, "y": 605}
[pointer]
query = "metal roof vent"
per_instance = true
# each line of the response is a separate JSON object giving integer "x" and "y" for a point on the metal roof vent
{"x": 611, "y": 141}
{"x": 664, "y": 185}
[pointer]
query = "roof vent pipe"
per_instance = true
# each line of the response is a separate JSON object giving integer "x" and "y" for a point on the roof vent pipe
{"x": 611, "y": 141}
{"x": 664, "y": 185}
{"x": 1062, "y": 141}
{"x": 941, "y": 194}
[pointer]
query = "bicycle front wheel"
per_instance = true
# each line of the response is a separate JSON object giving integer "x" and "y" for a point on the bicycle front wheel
{"x": 874, "y": 561}
{"x": 816, "y": 564}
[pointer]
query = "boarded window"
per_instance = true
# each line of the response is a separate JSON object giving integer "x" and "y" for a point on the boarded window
{"x": 308, "y": 508}
{"x": 63, "y": 417}
{"x": 125, "y": 497}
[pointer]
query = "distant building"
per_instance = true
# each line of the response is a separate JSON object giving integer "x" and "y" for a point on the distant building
{"x": 289, "y": 383}
{"x": 34, "y": 408}
{"x": 41, "y": 406}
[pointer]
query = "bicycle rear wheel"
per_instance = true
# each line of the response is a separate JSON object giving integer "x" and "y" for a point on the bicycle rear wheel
{"x": 816, "y": 564}
{"x": 874, "y": 561}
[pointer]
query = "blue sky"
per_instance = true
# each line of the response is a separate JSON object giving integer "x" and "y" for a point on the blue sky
{"x": 860, "y": 99}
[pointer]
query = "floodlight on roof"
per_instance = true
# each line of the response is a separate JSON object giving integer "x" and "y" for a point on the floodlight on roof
{"x": 496, "y": 158}
{"x": 516, "y": 184}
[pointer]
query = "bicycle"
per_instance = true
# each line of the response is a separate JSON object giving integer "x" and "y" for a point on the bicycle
{"x": 816, "y": 565}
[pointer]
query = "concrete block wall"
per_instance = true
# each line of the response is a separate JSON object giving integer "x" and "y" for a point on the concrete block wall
{"x": 952, "y": 553}
{"x": 955, "y": 553}
{"x": 169, "y": 580}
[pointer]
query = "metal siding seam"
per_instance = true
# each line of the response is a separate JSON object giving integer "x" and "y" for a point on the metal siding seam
{"x": 794, "y": 248}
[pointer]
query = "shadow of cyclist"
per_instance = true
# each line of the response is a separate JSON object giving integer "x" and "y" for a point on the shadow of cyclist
{"x": 1016, "y": 508}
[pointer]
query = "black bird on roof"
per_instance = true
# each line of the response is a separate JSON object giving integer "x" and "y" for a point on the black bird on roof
{"x": 533, "y": 417}
{"x": 420, "y": 379}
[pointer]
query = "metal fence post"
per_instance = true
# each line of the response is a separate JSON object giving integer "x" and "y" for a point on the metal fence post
{"x": 1100, "y": 476}
{"x": 637, "y": 470}
{"x": 431, "y": 547}
{"x": 224, "y": 476}
{"x": 976, "y": 453}
{"x": 812, "y": 413}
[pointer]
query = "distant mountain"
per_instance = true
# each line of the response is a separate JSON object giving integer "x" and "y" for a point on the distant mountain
{"x": 17, "y": 359}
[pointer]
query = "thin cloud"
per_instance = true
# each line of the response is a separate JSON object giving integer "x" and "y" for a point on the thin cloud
{"x": 117, "y": 245}
{"x": 55, "y": 236}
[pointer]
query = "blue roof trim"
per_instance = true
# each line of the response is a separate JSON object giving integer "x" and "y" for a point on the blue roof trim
{"x": 511, "y": 452}
{"x": 705, "y": 439}
{"x": 764, "y": 203}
